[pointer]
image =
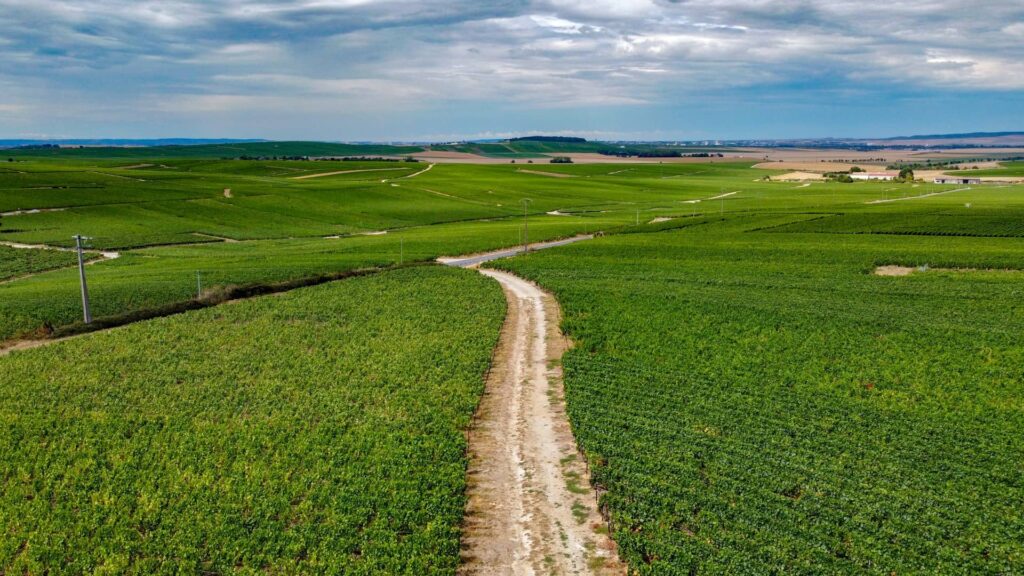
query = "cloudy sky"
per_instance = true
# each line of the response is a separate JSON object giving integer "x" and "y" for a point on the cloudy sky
{"x": 437, "y": 70}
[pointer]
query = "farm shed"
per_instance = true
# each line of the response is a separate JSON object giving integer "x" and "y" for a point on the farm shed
{"x": 875, "y": 175}
{"x": 957, "y": 180}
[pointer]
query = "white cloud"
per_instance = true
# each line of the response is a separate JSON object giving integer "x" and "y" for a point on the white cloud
{"x": 363, "y": 55}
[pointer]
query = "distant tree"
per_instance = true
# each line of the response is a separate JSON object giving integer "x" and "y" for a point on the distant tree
{"x": 513, "y": 162}
{"x": 564, "y": 139}
{"x": 907, "y": 175}
{"x": 561, "y": 160}
{"x": 856, "y": 169}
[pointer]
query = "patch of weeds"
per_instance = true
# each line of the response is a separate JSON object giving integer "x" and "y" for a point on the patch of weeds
{"x": 579, "y": 512}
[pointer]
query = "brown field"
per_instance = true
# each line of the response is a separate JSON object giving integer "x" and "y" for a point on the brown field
{"x": 797, "y": 177}
{"x": 818, "y": 166}
{"x": 792, "y": 159}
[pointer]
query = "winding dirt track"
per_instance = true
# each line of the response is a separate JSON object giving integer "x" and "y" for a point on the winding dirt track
{"x": 531, "y": 509}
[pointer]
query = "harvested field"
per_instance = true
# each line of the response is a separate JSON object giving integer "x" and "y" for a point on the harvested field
{"x": 797, "y": 177}
{"x": 818, "y": 166}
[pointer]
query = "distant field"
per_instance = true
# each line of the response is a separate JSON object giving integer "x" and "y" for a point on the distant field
{"x": 202, "y": 444}
{"x": 1008, "y": 169}
{"x": 283, "y": 223}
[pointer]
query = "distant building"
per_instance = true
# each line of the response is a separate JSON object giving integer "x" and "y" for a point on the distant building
{"x": 957, "y": 180}
{"x": 874, "y": 175}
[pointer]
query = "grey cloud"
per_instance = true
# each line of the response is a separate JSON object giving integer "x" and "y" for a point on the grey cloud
{"x": 357, "y": 54}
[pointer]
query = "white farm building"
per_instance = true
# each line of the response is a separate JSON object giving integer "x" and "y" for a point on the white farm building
{"x": 957, "y": 180}
{"x": 875, "y": 175}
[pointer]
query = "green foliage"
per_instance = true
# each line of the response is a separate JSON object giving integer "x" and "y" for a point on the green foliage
{"x": 319, "y": 431}
{"x": 16, "y": 262}
{"x": 759, "y": 403}
{"x": 751, "y": 397}
{"x": 1010, "y": 169}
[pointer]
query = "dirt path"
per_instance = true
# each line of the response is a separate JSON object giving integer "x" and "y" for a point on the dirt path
{"x": 472, "y": 260}
{"x": 31, "y": 211}
{"x": 415, "y": 174}
{"x": 929, "y": 195}
{"x": 531, "y": 509}
{"x": 323, "y": 174}
{"x": 106, "y": 254}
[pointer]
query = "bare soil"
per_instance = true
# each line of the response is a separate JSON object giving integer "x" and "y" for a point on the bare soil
{"x": 893, "y": 270}
{"x": 819, "y": 167}
{"x": 531, "y": 508}
{"x": 797, "y": 177}
{"x": 543, "y": 173}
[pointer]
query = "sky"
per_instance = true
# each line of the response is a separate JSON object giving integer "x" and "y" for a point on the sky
{"x": 401, "y": 70}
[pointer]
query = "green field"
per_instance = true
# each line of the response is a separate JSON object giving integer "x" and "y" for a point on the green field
{"x": 750, "y": 397}
{"x": 1008, "y": 169}
{"x": 760, "y": 403}
{"x": 314, "y": 432}
{"x": 15, "y": 262}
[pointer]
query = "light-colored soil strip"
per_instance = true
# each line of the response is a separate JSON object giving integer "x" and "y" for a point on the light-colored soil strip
{"x": 797, "y": 177}
{"x": 897, "y": 270}
{"x": 6, "y": 349}
{"x": 94, "y": 258}
{"x": 133, "y": 166}
{"x": 726, "y": 195}
{"x": 660, "y": 219}
{"x": 887, "y": 200}
{"x": 530, "y": 507}
{"x": 224, "y": 239}
{"x": 322, "y": 174}
{"x": 31, "y": 211}
{"x": 415, "y": 174}
{"x": 719, "y": 197}
{"x": 543, "y": 173}
{"x": 116, "y": 176}
{"x": 453, "y": 197}
{"x": 471, "y": 260}
{"x": 894, "y": 270}
{"x": 107, "y": 254}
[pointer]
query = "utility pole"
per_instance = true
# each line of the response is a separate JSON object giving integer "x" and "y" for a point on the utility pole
{"x": 637, "y": 216}
{"x": 199, "y": 284}
{"x": 81, "y": 276}
{"x": 526, "y": 225}
{"x": 401, "y": 251}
